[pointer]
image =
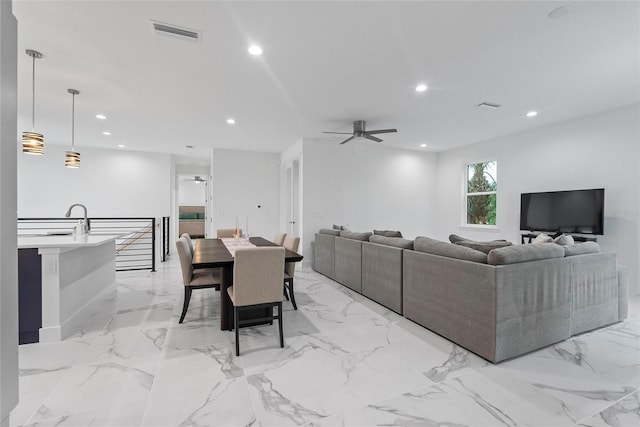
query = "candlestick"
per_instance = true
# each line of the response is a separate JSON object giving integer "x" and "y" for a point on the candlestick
{"x": 246, "y": 231}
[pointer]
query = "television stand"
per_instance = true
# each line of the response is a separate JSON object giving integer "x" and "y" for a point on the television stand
{"x": 531, "y": 236}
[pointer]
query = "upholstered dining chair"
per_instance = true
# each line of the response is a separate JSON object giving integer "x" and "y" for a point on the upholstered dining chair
{"x": 257, "y": 283}
{"x": 279, "y": 238}
{"x": 214, "y": 271}
{"x": 292, "y": 244}
{"x": 193, "y": 279}
{"x": 227, "y": 232}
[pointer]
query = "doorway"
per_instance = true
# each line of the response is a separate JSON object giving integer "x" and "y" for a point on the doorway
{"x": 292, "y": 198}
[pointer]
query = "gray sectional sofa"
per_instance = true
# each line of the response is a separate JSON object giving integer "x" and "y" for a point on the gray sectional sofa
{"x": 499, "y": 305}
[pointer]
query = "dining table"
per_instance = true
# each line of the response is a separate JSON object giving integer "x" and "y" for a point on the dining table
{"x": 213, "y": 253}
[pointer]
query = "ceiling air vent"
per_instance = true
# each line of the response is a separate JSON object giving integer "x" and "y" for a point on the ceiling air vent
{"x": 489, "y": 105}
{"x": 175, "y": 31}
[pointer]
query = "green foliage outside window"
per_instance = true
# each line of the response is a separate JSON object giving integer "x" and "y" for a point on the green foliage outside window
{"x": 481, "y": 189}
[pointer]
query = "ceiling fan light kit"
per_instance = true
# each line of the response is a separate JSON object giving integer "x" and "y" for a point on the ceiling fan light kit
{"x": 360, "y": 132}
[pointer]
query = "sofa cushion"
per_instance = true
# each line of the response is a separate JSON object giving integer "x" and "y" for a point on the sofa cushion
{"x": 329, "y": 231}
{"x": 522, "y": 253}
{"x": 437, "y": 247}
{"x": 564, "y": 240}
{"x": 581, "y": 249}
{"x": 355, "y": 236}
{"x": 397, "y": 242}
{"x": 387, "y": 233}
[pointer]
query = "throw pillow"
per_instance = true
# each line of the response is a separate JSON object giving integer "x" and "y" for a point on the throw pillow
{"x": 387, "y": 233}
{"x": 542, "y": 238}
{"x": 485, "y": 247}
{"x": 564, "y": 240}
{"x": 339, "y": 227}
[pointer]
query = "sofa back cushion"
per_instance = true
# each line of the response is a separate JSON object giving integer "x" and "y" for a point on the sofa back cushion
{"x": 581, "y": 249}
{"x": 397, "y": 242}
{"x": 355, "y": 236}
{"x": 437, "y": 247}
{"x": 329, "y": 231}
{"x": 387, "y": 233}
{"x": 522, "y": 253}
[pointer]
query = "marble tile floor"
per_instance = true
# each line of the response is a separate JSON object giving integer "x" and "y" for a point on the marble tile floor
{"x": 347, "y": 362}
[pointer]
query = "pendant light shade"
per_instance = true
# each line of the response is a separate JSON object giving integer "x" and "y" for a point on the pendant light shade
{"x": 33, "y": 142}
{"x": 72, "y": 158}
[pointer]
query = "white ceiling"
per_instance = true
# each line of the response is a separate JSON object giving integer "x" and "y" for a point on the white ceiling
{"x": 325, "y": 64}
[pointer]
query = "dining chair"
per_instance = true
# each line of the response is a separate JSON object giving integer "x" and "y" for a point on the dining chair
{"x": 257, "y": 283}
{"x": 279, "y": 239}
{"x": 215, "y": 271}
{"x": 292, "y": 244}
{"x": 227, "y": 232}
{"x": 193, "y": 279}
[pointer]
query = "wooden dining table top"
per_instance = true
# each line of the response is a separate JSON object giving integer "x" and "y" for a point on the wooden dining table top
{"x": 212, "y": 253}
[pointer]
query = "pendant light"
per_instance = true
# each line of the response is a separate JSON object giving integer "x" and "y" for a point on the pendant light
{"x": 72, "y": 158}
{"x": 33, "y": 142}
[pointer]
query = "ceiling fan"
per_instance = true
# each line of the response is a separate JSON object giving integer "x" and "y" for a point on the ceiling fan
{"x": 197, "y": 179}
{"x": 360, "y": 132}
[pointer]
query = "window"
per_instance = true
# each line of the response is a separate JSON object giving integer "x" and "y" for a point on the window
{"x": 480, "y": 193}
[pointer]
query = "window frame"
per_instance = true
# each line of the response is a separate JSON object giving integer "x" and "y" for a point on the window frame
{"x": 466, "y": 194}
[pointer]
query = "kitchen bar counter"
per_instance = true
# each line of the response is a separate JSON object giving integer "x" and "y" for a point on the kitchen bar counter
{"x": 78, "y": 273}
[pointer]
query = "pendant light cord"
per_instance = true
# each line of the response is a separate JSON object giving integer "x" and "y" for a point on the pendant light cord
{"x": 73, "y": 119}
{"x": 33, "y": 93}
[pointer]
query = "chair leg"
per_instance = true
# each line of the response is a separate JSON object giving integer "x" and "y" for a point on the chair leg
{"x": 235, "y": 316}
{"x": 284, "y": 292}
{"x": 185, "y": 305}
{"x": 293, "y": 297}
{"x": 280, "y": 324}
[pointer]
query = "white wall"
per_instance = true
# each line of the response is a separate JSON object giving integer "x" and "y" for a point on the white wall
{"x": 367, "y": 187}
{"x": 8, "y": 249}
{"x": 590, "y": 152}
{"x": 110, "y": 183}
{"x": 242, "y": 180}
{"x": 191, "y": 193}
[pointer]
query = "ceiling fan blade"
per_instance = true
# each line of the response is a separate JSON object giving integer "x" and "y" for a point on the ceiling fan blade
{"x": 346, "y": 140}
{"x": 373, "y": 138}
{"x": 341, "y": 133}
{"x": 373, "y": 132}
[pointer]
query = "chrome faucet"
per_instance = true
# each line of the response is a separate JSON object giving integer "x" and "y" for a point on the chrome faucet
{"x": 86, "y": 222}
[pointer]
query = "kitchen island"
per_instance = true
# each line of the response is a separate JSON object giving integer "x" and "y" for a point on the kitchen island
{"x": 77, "y": 274}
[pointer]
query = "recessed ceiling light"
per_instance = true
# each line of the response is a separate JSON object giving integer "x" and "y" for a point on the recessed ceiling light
{"x": 560, "y": 12}
{"x": 231, "y": 121}
{"x": 532, "y": 113}
{"x": 106, "y": 132}
{"x": 120, "y": 146}
{"x": 101, "y": 116}
{"x": 255, "y": 50}
{"x": 423, "y": 145}
{"x": 421, "y": 88}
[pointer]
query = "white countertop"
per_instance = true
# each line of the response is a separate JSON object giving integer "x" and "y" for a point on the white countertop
{"x": 67, "y": 242}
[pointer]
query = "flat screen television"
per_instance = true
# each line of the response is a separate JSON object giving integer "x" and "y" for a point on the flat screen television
{"x": 577, "y": 211}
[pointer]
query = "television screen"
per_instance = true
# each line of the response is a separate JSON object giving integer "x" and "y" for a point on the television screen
{"x": 577, "y": 211}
